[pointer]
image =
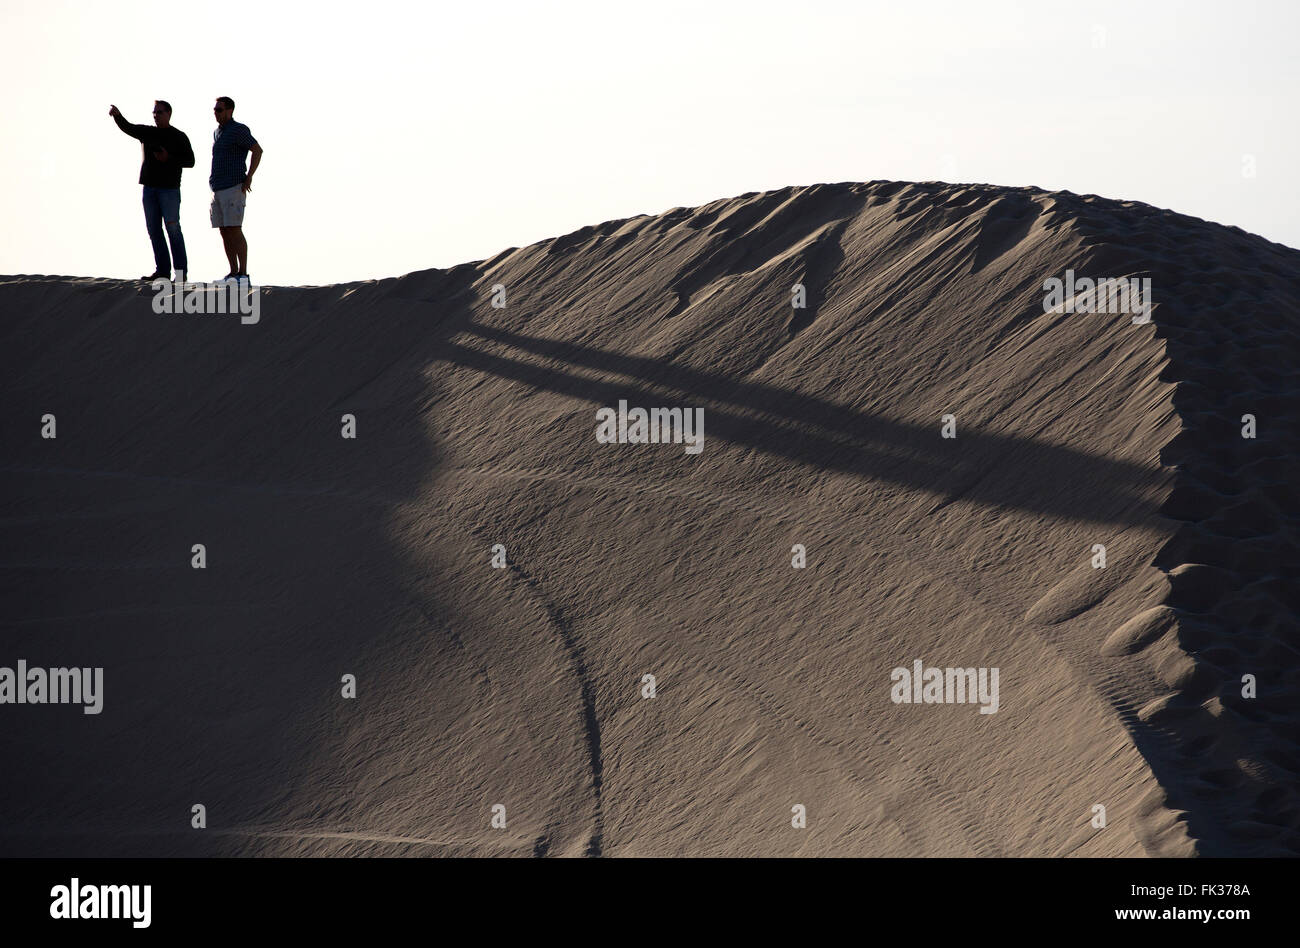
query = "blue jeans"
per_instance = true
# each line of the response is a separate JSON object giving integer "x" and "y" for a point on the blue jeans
{"x": 162, "y": 206}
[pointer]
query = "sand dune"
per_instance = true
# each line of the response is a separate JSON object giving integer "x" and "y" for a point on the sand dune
{"x": 823, "y": 427}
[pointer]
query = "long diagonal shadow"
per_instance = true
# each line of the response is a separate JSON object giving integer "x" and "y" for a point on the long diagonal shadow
{"x": 809, "y": 430}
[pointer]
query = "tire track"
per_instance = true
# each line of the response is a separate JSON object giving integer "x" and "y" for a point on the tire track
{"x": 563, "y": 628}
{"x": 578, "y": 667}
{"x": 1103, "y": 684}
{"x": 953, "y": 808}
{"x": 1088, "y": 670}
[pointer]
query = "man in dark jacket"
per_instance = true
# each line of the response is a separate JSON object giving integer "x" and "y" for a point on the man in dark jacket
{"x": 166, "y": 151}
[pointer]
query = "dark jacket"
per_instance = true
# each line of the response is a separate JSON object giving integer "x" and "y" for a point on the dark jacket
{"x": 155, "y": 173}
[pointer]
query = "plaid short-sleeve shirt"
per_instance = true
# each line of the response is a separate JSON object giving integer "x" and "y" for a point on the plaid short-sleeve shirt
{"x": 230, "y": 145}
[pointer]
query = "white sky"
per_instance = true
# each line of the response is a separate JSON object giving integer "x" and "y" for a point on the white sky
{"x": 402, "y": 136}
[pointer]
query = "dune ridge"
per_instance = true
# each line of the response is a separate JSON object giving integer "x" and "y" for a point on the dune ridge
{"x": 521, "y": 686}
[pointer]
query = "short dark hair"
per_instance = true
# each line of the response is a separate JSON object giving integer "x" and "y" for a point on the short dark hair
{"x": 227, "y": 101}
{"x": 163, "y": 103}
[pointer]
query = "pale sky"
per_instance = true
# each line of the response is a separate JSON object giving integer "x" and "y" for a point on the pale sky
{"x": 403, "y": 136}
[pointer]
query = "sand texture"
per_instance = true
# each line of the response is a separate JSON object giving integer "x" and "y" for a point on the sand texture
{"x": 523, "y": 686}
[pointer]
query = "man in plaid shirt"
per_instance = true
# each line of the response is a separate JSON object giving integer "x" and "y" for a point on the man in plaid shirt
{"x": 230, "y": 184}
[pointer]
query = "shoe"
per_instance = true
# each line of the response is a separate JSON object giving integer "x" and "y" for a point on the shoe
{"x": 243, "y": 278}
{"x": 157, "y": 276}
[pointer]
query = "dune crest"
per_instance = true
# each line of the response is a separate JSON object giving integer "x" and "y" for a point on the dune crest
{"x": 906, "y": 458}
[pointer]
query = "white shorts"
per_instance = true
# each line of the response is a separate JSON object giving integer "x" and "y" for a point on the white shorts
{"x": 228, "y": 207}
